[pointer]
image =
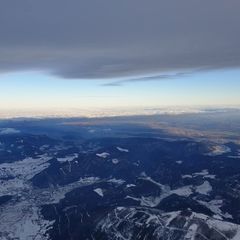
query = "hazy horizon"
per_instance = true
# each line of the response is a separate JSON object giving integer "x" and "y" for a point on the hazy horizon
{"x": 35, "y": 91}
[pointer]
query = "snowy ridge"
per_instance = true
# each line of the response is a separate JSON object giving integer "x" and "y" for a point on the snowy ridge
{"x": 130, "y": 222}
{"x": 166, "y": 191}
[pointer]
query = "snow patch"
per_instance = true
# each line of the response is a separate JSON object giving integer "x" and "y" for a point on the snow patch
{"x": 215, "y": 207}
{"x": 99, "y": 191}
{"x": 202, "y": 173}
{"x": 115, "y": 161}
{"x": 185, "y": 191}
{"x": 204, "y": 188}
{"x": 186, "y": 176}
{"x": 5, "y": 131}
{"x": 23, "y": 221}
{"x": 69, "y": 158}
{"x": 130, "y": 185}
{"x": 192, "y": 230}
{"x": 116, "y": 181}
{"x": 103, "y": 155}
{"x": 205, "y": 174}
{"x": 122, "y": 149}
{"x": 218, "y": 150}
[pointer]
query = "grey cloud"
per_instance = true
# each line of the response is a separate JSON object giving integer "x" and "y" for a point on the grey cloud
{"x": 150, "y": 78}
{"x": 106, "y": 39}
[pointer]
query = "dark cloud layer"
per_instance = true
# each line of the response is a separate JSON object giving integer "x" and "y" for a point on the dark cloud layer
{"x": 108, "y": 38}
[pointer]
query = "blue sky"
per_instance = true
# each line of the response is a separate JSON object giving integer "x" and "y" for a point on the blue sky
{"x": 21, "y": 90}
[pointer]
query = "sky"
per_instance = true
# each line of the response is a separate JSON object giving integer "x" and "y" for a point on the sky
{"x": 37, "y": 90}
{"x": 111, "y": 54}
